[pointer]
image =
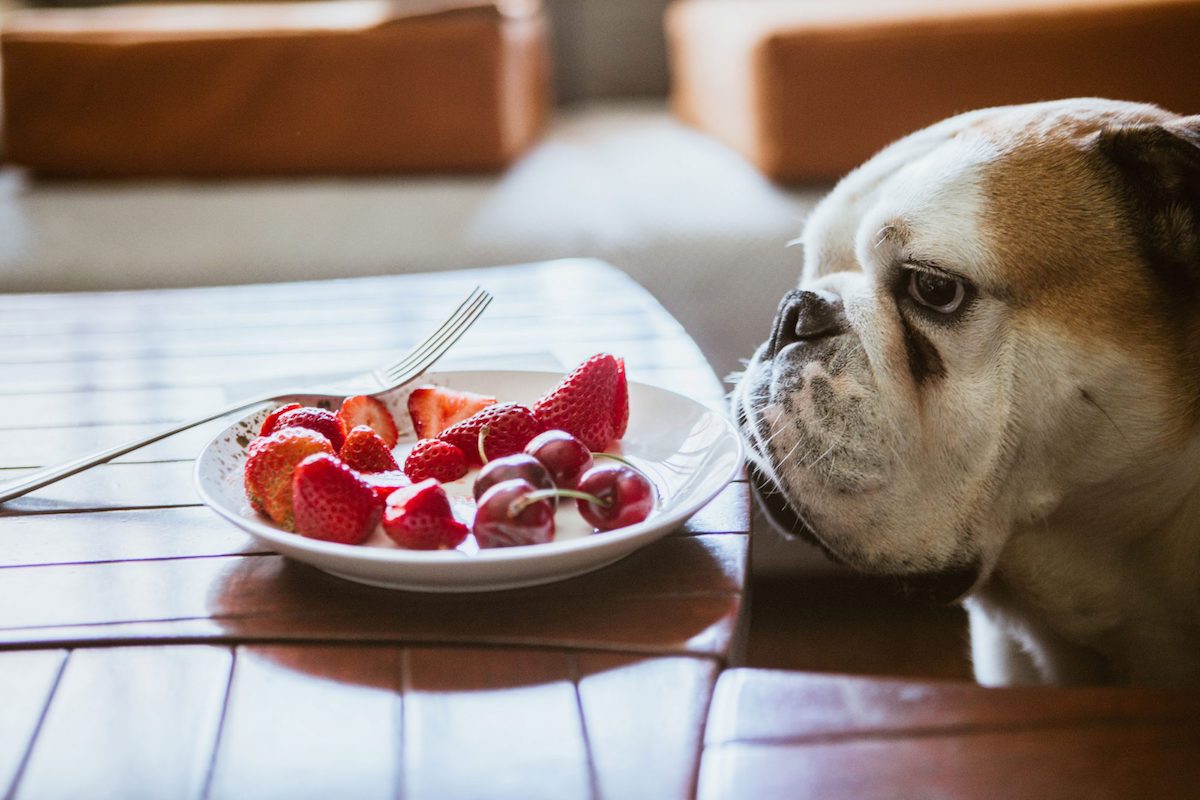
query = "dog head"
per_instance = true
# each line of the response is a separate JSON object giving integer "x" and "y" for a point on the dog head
{"x": 997, "y": 315}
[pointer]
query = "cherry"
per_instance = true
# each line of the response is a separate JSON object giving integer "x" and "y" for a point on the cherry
{"x": 514, "y": 467}
{"x": 562, "y": 454}
{"x": 621, "y": 496}
{"x": 507, "y": 514}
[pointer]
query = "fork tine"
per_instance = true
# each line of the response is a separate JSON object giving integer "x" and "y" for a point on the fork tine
{"x": 422, "y": 348}
{"x": 435, "y": 344}
{"x": 442, "y": 344}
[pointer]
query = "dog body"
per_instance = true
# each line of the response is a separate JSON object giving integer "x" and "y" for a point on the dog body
{"x": 989, "y": 381}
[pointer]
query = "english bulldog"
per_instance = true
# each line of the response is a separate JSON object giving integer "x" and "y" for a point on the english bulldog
{"x": 988, "y": 382}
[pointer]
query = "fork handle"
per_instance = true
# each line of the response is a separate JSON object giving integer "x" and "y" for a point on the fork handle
{"x": 49, "y": 475}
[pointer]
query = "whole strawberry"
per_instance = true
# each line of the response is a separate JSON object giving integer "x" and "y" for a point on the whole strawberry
{"x": 366, "y": 410}
{"x": 498, "y": 430}
{"x": 268, "y": 473}
{"x": 315, "y": 419}
{"x": 433, "y": 458}
{"x": 591, "y": 404}
{"x": 271, "y": 423}
{"x": 621, "y": 402}
{"x": 366, "y": 452}
{"x": 331, "y": 502}
{"x": 419, "y": 518}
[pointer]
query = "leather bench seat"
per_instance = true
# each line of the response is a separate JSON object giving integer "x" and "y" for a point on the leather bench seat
{"x": 808, "y": 89}
{"x": 341, "y": 87}
{"x": 774, "y": 734}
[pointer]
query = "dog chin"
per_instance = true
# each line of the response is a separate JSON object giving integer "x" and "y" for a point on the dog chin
{"x": 783, "y": 514}
{"x": 936, "y": 587}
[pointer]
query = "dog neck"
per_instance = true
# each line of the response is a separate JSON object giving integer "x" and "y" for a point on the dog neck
{"x": 1114, "y": 568}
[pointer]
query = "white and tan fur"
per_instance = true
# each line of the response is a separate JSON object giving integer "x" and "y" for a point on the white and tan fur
{"x": 1041, "y": 446}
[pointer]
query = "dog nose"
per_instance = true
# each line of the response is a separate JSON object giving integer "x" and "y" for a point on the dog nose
{"x": 806, "y": 316}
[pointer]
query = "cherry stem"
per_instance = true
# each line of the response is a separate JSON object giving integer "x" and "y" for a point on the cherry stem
{"x": 528, "y": 499}
{"x": 621, "y": 459}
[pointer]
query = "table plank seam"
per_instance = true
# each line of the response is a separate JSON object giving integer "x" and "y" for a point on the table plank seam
{"x": 360, "y": 641}
{"x": 210, "y": 771}
{"x": 573, "y": 671}
{"x": 403, "y": 670}
{"x": 271, "y": 615}
{"x": 703, "y": 734}
{"x": 146, "y": 559}
{"x": 113, "y": 463}
{"x": 38, "y": 512}
{"x": 959, "y": 730}
{"x": 37, "y": 728}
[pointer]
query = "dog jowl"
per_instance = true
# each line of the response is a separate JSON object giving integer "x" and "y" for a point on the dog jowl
{"x": 990, "y": 374}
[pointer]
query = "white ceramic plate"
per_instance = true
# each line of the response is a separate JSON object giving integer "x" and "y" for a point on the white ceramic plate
{"x": 689, "y": 452}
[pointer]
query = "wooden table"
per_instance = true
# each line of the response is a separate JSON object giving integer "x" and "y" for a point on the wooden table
{"x": 150, "y": 649}
{"x": 774, "y": 735}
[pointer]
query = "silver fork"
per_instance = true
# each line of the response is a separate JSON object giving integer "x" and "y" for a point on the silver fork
{"x": 386, "y": 378}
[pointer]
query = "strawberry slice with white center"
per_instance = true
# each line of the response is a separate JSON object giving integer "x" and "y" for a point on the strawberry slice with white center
{"x": 419, "y": 518}
{"x": 435, "y": 408}
{"x": 366, "y": 410}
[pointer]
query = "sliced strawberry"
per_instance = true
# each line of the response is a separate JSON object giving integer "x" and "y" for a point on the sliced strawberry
{"x": 271, "y": 422}
{"x": 366, "y": 410}
{"x": 620, "y": 419}
{"x": 419, "y": 518}
{"x": 331, "y": 502}
{"x": 366, "y": 452}
{"x": 268, "y": 474}
{"x": 435, "y": 408}
{"x": 586, "y": 403}
{"x": 315, "y": 419}
{"x": 433, "y": 458}
{"x": 384, "y": 483}
{"x": 504, "y": 429}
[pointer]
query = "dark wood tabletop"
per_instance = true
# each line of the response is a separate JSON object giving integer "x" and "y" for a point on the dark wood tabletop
{"x": 149, "y": 648}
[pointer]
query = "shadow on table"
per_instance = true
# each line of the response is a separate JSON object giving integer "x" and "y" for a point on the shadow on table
{"x": 622, "y": 608}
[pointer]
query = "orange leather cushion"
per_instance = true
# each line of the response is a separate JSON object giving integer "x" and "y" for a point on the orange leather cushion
{"x": 808, "y": 89}
{"x": 351, "y": 86}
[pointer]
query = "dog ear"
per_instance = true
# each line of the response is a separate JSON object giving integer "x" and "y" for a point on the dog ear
{"x": 1159, "y": 166}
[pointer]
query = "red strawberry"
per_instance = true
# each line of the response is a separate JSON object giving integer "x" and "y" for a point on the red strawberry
{"x": 621, "y": 402}
{"x": 331, "y": 502}
{"x": 315, "y": 419}
{"x": 268, "y": 475}
{"x": 271, "y": 422}
{"x": 419, "y": 518}
{"x": 384, "y": 483}
{"x": 435, "y": 408}
{"x": 509, "y": 427}
{"x": 366, "y": 410}
{"x": 366, "y": 452}
{"x": 591, "y": 404}
{"x": 433, "y": 458}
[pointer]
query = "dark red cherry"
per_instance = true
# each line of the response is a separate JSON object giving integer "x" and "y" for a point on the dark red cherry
{"x": 506, "y": 517}
{"x": 563, "y": 455}
{"x": 515, "y": 467}
{"x": 622, "y": 496}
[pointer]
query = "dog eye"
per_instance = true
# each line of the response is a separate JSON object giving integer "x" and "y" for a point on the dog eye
{"x": 939, "y": 293}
